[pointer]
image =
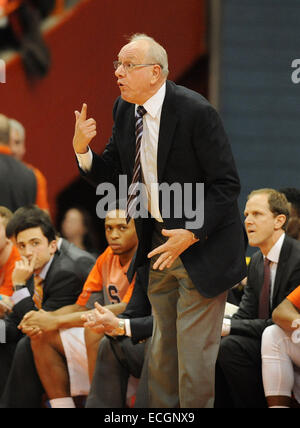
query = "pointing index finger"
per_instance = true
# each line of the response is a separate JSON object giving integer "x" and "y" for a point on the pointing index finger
{"x": 83, "y": 113}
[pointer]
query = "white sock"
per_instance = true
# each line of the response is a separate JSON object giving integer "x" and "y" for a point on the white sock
{"x": 62, "y": 403}
{"x": 279, "y": 407}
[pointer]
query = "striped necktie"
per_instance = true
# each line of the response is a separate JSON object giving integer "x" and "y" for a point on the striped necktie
{"x": 132, "y": 195}
{"x": 38, "y": 291}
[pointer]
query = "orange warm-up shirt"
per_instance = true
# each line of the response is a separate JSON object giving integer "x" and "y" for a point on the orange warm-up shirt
{"x": 110, "y": 277}
{"x": 6, "y": 286}
{"x": 41, "y": 191}
{"x": 41, "y": 182}
{"x": 294, "y": 297}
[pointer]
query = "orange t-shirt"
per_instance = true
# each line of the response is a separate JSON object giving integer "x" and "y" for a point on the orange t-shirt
{"x": 6, "y": 286}
{"x": 110, "y": 277}
{"x": 294, "y": 297}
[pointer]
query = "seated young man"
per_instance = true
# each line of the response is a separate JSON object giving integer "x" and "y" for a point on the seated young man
{"x": 124, "y": 351}
{"x": 281, "y": 354}
{"x": 60, "y": 336}
{"x": 44, "y": 278}
{"x": 9, "y": 254}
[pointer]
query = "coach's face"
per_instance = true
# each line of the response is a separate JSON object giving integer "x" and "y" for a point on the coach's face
{"x": 261, "y": 224}
{"x": 137, "y": 84}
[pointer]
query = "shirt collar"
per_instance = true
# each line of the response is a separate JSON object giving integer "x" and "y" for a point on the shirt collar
{"x": 274, "y": 253}
{"x": 154, "y": 104}
{"x": 59, "y": 243}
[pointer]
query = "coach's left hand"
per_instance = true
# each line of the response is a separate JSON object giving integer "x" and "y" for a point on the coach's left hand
{"x": 179, "y": 241}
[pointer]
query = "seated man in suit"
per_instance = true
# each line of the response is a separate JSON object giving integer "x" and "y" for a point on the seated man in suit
{"x": 124, "y": 351}
{"x": 281, "y": 354}
{"x": 9, "y": 254}
{"x": 59, "y": 340}
{"x": 45, "y": 278}
{"x": 274, "y": 272}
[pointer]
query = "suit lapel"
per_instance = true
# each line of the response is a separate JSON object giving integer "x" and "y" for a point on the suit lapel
{"x": 282, "y": 264}
{"x": 168, "y": 123}
{"x": 48, "y": 279}
{"x": 129, "y": 140}
{"x": 30, "y": 285}
{"x": 260, "y": 273}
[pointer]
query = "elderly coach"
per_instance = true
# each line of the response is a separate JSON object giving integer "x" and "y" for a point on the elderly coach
{"x": 164, "y": 133}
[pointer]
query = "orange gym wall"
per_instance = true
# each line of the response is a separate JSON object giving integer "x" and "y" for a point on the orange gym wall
{"x": 83, "y": 47}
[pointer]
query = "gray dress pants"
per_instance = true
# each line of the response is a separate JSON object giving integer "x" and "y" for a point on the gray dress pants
{"x": 186, "y": 338}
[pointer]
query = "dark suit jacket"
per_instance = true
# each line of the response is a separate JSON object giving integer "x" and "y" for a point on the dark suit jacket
{"x": 18, "y": 186}
{"x": 138, "y": 309}
{"x": 63, "y": 284}
{"x": 245, "y": 322}
{"x": 192, "y": 148}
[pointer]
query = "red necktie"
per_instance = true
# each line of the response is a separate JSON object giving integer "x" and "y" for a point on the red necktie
{"x": 264, "y": 300}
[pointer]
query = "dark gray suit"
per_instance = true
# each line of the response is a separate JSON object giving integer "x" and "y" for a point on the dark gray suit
{"x": 239, "y": 379}
{"x": 18, "y": 186}
{"x": 63, "y": 284}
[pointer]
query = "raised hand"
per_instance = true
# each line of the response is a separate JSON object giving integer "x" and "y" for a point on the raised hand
{"x": 23, "y": 270}
{"x": 85, "y": 131}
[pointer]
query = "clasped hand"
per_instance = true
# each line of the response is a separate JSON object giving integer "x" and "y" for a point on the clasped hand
{"x": 35, "y": 323}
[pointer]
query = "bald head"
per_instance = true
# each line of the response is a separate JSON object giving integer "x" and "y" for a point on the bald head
{"x": 4, "y": 130}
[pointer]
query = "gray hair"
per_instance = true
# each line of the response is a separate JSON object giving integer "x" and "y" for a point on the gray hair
{"x": 14, "y": 124}
{"x": 156, "y": 53}
{"x": 4, "y": 130}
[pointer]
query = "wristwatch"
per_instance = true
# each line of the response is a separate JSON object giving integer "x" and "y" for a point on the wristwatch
{"x": 18, "y": 287}
{"x": 120, "y": 331}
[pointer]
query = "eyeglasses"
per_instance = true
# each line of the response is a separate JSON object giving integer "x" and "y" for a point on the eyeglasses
{"x": 128, "y": 66}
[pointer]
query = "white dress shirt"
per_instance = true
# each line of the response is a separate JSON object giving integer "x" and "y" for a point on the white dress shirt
{"x": 149, "y": 146}
{"x": 273, "y": 255}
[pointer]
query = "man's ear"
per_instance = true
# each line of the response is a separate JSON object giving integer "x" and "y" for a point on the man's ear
{"x": 53, "y": 247}
{"x": 157, "y": 71}
{"x": 280, "y": 221}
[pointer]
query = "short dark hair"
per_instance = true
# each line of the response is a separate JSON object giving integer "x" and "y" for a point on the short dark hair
{"x": 29, "y": 217}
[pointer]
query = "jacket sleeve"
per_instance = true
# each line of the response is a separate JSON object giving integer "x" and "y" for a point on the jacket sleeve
{"x": 246, "y": 322}
{"x": 222, "y": 181}
{"x": 139, "y": 308}
{"x": 105, "y": 167}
